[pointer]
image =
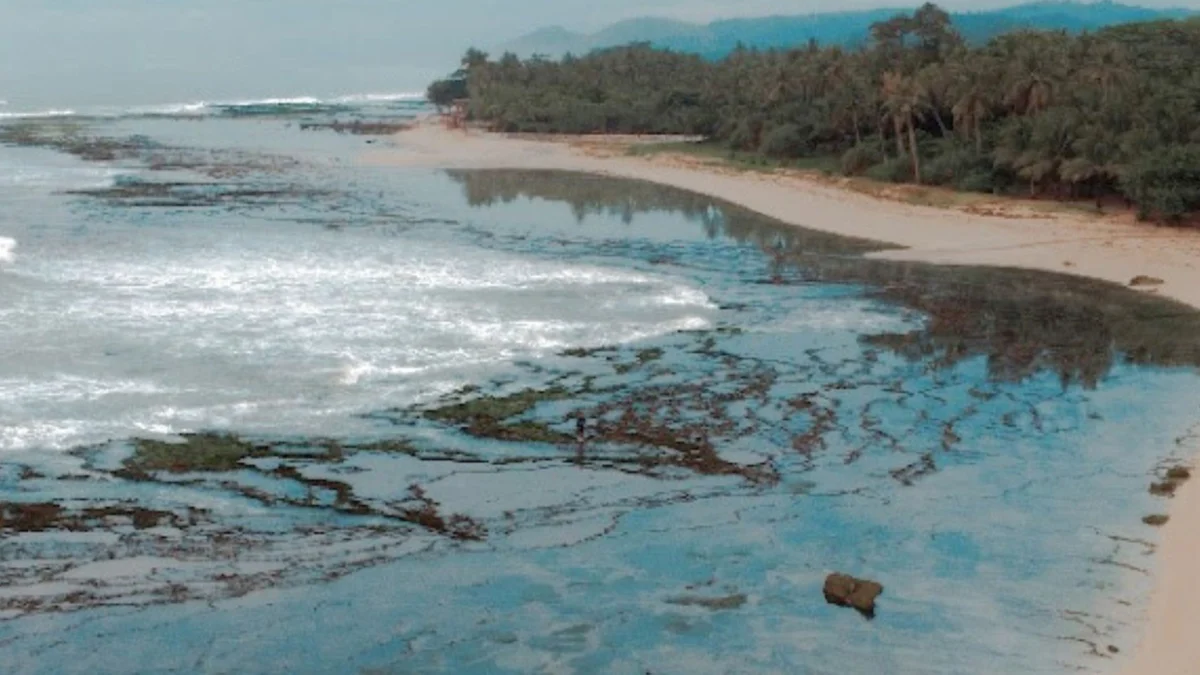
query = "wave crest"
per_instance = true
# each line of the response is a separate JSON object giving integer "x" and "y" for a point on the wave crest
{"x": 7, "y": 247}
{"x": 37, "y": 114}
{"x": 263, "y": 106}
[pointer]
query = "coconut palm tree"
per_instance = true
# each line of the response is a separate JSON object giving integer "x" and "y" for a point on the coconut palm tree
{"x": 1107, "y": 66}
{"x": 847, "y": 87}
{"x": 1037, "y": 64}
{"x": 474, "y": 58}
{"x": 934, "y": 82}
{"x": 903, "y": 102}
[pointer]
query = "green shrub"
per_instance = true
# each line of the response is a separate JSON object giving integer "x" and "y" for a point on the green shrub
{"x": 891, "y": 170}
{"x": 784, "y": 141}
{"x": 444, "y": 92}
{"x": 976, "y": 180}
{"x": 745, "y": 135}
{"x": 860, "y": 158}
{"x": 953, "y": 163}
{"x": 1166, "y": 183}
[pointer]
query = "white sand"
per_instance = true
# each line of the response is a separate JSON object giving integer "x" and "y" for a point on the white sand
{"x": 1114, "y": 249}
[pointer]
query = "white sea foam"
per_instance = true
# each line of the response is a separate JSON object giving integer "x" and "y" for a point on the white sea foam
{"x": 293, "y": 100}
{"x": 348, "y": 99}
{"x": 381, "y": 98}
{"x": 357, "y": 330}
{"x": 203, "y": 108}
{"x": 180, "y": 109}
{"x": 7, "y": 247}
{"x": 55, "y": 112}
{"x": 58, "y": 177}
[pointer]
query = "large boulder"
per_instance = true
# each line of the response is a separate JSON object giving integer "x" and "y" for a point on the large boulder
{"x": 846, "y": 591}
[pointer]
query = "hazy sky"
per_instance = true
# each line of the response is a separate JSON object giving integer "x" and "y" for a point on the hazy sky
{"x": 82, "y": 52}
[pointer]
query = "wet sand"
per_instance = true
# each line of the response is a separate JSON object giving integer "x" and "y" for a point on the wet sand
{"x": 1108, "y": 248}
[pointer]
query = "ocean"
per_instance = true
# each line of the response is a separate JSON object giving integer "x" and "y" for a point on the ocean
{"x": 264, "y": 408}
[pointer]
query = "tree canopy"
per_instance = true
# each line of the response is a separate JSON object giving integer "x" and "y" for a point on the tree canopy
{"x": 1108, "y": 115}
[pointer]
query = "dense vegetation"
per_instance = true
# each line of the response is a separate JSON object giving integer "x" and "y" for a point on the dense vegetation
{"x": 1110, "y": 115}
{"x": 849, "y": 29}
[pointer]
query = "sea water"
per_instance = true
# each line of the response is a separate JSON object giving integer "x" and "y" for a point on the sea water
{"x": 761, "y": 405}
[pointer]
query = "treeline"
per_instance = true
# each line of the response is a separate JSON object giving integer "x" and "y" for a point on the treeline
{"x": 1109, "y": 115}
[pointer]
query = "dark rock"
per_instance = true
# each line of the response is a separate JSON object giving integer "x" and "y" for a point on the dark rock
{"x": 1175, "y": 477}
{"x": 1143, "y": 280}
{"x": 360, "y": 127}
{"x": 21, "y": 517}
{"x": 1157, "y": 520}
{"x": 712, "y": 604}
{"x": 1163, "y": 489}
{"x": 846, "y": 591}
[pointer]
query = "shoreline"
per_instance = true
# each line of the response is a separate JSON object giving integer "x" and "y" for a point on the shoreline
{"x": 1105, "y": 248}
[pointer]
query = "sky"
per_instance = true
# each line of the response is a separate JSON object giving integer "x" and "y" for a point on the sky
{"x": 73, "y": 53}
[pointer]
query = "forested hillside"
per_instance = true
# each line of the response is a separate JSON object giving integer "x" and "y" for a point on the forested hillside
{"x": 1109, "y": 115}
{"x": 849, "y": 29}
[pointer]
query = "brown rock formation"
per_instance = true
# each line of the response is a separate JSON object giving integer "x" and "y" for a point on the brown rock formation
{"x": 846, "y": 591}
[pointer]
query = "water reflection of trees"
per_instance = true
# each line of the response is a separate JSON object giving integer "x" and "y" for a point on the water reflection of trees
{"x": 1023, "y": 322}
{"x": 600, "y": 195}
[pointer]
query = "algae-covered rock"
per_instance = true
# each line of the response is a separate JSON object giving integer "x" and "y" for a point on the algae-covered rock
{"x": 197, "y": 452}
{"x": 491, "y": 416}
{"x": 20, "y": 517}
{"x": 46, "y": 516}
{"x": 497, "y": 408}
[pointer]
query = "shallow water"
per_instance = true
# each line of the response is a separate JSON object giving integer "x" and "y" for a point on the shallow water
{"x": 761, "y": 404}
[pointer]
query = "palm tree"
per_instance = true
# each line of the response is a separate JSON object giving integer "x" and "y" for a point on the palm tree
{"x": 1036, "y": 147}
{"x": 970, "y": 88}
{"x": 1030, "y": 93}
{"x": 847, "y": 87}
{"x": 904, "y": 105}
{"x": 934, "y": 32}
{"x": 1107, "y": 67}
{"x": 777, "y": 84}
{"x": 1037, "y": 63}
{"x": 934, "y": 82}
{"x": 1094, "y": 166}
{"x": 969, "y": 112}
{"x": 473, "y": 59}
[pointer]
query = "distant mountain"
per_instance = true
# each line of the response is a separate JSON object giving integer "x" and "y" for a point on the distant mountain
{"x": 850, "y": 29}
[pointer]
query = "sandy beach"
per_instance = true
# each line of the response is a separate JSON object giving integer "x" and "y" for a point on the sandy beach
{"x": 1110, "y": 248}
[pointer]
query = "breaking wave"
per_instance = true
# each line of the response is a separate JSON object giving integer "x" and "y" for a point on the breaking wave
{"x": 264, "y": 106}
{"x": 37, "y": 114}
{"x": 7, "y": 246}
